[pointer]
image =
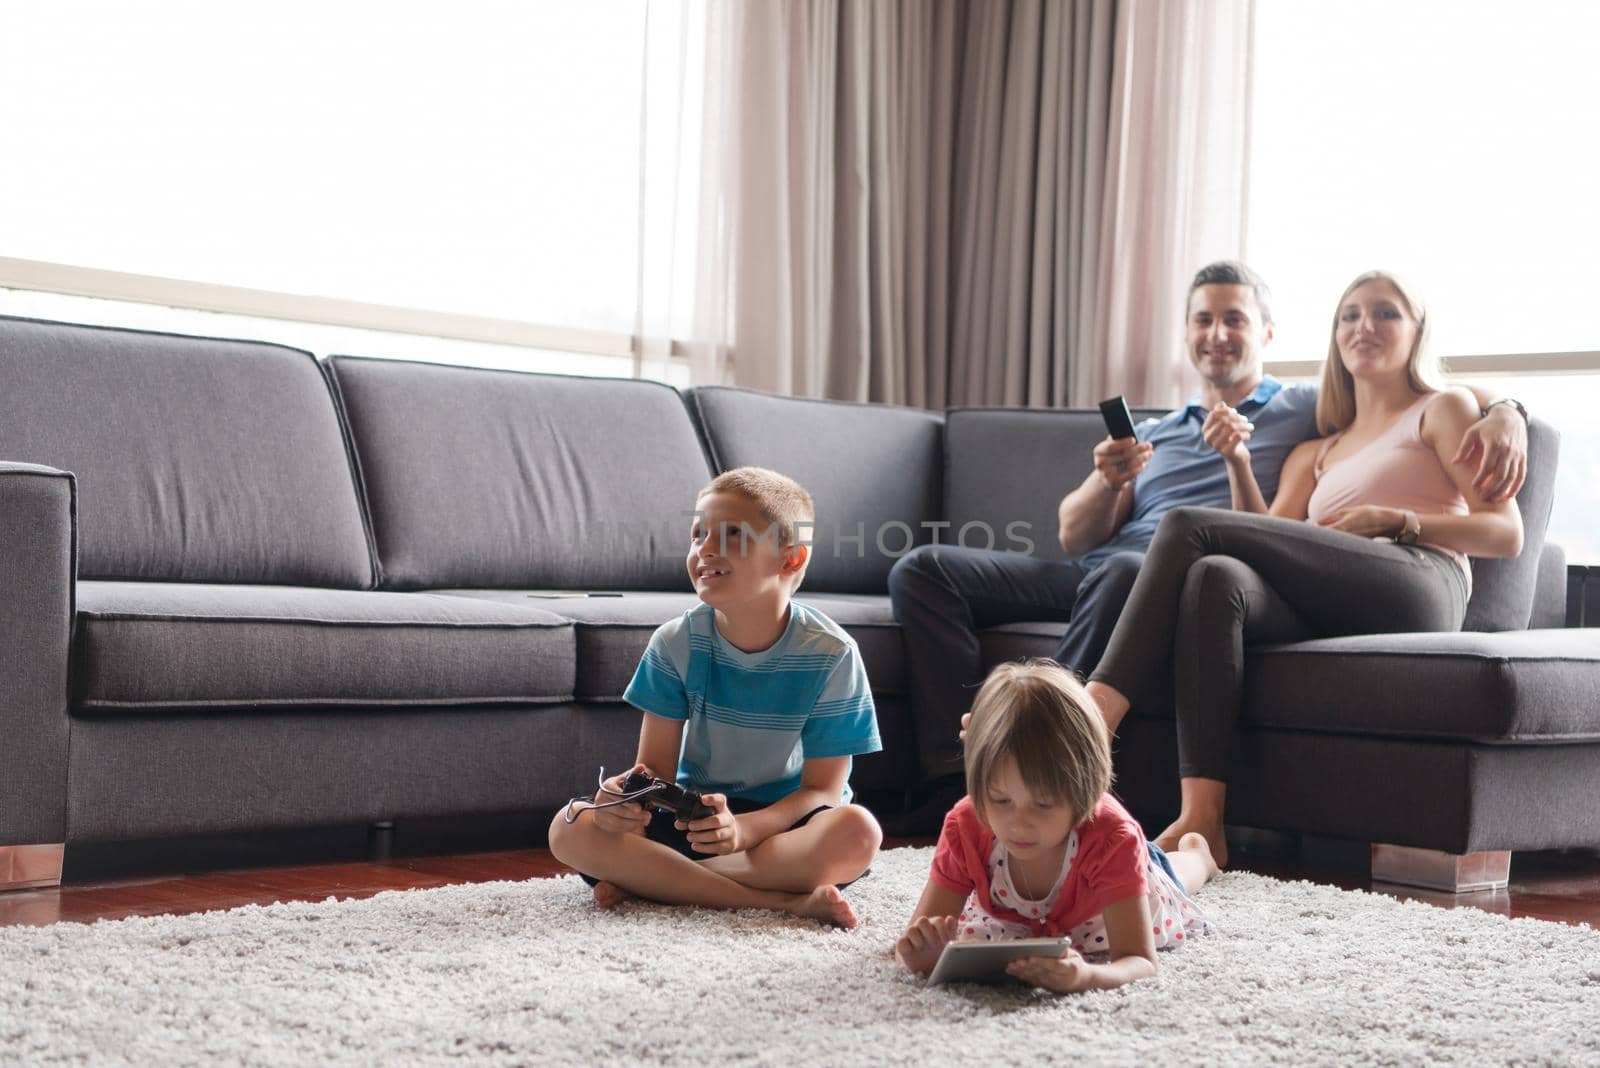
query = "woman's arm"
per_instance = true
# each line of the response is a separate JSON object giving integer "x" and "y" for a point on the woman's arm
{"x": 932, "y": 925}
{"x": 1297, "y": 481}
{"x": 1133, "y": 955}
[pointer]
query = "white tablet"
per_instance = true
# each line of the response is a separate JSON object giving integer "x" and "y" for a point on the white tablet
{"x": 985, "y": 962}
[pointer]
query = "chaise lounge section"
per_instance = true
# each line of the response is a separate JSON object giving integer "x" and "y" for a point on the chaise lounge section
{"x": 247, "y": 589}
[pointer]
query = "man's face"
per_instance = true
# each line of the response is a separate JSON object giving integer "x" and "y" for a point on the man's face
{"x": 1226, "y": 334}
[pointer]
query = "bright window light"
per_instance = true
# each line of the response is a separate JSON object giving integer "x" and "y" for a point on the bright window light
{"x": 476, "y": 157}
{"x": 1451, "y": 142}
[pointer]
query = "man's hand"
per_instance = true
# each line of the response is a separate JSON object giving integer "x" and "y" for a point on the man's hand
{"x": 1229, "y": 433}
{"x": 1119, "y": 460}
{"x": 1068, "y": 974}
{"x": 717, "y": 833}
{"x": 1498, "y": 444}
{"x": 966, "y": 718}
{"x": 919, "y": 948}
{"x": 630, "y": 818}
{"x": 1366, "y": 520}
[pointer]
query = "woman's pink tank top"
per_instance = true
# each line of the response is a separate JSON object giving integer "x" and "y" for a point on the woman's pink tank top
{"x": 1396, "y": 469}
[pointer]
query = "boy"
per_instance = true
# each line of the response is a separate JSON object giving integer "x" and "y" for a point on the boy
{"x": 756, "y": 702}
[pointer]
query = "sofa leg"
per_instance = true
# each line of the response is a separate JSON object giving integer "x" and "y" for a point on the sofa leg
{"x": 1458, "y": 873}
{"x": 380, "y": 840}
{"x": 26, "y": 867}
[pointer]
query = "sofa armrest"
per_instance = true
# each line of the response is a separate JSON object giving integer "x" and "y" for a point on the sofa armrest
{"x": 38, "y": 576}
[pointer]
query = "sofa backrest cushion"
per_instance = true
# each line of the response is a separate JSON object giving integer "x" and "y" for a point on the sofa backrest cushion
{"x": 1006, "y": 469}
{"x": 1008, "y": 466}
{"x": 874, "y": 471}
{"x": 198, "y": 460}
{"x": 1503, "y": 590}
{"x": 502, "y": 479}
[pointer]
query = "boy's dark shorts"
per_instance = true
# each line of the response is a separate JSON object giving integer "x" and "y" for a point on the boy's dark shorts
{"x": 662, "y": 828}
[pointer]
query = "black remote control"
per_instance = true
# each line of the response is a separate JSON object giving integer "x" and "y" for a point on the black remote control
{"x": 1119, "y": 421}
{"x": 686, "y": 805}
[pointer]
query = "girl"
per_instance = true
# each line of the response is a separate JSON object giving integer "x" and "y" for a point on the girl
{"x": 1039, "y": 848}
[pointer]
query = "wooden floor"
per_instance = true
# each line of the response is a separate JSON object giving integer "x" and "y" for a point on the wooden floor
{"x": 198, "y": 875}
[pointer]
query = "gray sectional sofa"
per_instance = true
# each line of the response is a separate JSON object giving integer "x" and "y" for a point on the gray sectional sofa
{"x": 244, "y": 589}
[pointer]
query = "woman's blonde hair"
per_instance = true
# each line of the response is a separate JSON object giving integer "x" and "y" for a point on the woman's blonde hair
{"x": 1038, "y": 714}
{"x": 1336, "y": 402}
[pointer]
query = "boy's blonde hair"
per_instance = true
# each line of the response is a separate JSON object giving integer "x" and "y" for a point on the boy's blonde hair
{"x": 783, "y": 502}
{"x": 1038, "y": 714}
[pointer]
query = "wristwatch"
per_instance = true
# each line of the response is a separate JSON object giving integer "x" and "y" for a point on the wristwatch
{"x": 1511, "y": 401}
{"x": 1410, "y": 531}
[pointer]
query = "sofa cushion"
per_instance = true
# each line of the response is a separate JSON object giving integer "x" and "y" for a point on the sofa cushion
{"x": 1503, "y": 590}
{"x": 1006, "y": 470}
{"x": 873, "y": 470}
{"x": 170, "y": 645}
{"x": 197, "y": 460}
{"x": 613, "y": 632}
{"x": 504, "y": 479}
{"x": 1519, "y": 687}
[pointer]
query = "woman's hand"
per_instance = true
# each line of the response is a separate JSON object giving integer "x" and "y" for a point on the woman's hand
{"x": 716, "y": 833}
{"x": 1367, "y": 521}
{"x": 1067, "y": 974}
{"x": 1229, "y": 433}
{"x": 630, "y": 818}
{"x": 919, "y": 948}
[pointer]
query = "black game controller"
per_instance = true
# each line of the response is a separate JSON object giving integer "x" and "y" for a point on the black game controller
{"x": 686, "y": 805}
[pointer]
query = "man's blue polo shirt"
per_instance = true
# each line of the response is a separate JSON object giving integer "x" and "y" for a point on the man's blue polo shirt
{"x": 1185, "y": 470}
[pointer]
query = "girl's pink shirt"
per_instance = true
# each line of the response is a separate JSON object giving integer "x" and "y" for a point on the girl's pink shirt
{"x": 1109, "y": 867}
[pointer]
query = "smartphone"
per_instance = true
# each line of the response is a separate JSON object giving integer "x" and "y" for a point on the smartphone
{"x": 1119, "y": 421}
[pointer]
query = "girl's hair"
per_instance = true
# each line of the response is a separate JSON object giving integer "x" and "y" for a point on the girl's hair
{"x": 1038, "y": 714}
{"x": 1336, "y": 401}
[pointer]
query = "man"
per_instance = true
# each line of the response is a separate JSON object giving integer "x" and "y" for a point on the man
{"x": 943, "y": 595}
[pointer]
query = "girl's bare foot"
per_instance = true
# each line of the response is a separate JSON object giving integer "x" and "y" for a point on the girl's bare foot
{"x": 825, "y": 903}
{"x": 1196, "y": 843}
{"x": 1212, "y": 839}
{"x": 609, "y": 895}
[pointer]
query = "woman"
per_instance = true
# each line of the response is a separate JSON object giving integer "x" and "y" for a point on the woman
{"x": 1391, "y": 524}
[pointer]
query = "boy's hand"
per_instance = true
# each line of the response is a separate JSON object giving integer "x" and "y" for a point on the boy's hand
{"x": 919, "y": 948}
{"x": 630, "y": 818}
{"x": 1067, "y": 974}
{"x": 717, "y": 833}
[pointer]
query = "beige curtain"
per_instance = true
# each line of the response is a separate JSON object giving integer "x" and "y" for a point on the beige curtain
{"x": 935, "y": 203}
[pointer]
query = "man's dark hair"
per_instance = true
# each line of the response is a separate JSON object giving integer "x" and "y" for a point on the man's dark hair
{"x": 1233, "y": 273}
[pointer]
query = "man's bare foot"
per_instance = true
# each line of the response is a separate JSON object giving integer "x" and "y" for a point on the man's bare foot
{"x": 609, "y": 895}
{"x": 1214, "y": 841}
{"x": 825, "y": 903}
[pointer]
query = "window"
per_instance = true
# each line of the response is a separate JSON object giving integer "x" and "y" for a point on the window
{"x": 1452, "y": 143}
{"x": 478, "y": 158}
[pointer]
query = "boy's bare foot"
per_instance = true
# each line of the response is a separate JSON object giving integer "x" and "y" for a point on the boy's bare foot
{"x": 1212, "y": 838}
{"x": 825, "y": 903}
{"x": 609, "y": 895}
{"x": 1196, "y": 843}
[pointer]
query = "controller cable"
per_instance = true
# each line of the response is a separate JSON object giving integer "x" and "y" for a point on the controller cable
{"x": 621, "y": 798}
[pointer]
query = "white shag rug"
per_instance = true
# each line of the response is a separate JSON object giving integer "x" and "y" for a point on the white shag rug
{"x": 530, "y": 973}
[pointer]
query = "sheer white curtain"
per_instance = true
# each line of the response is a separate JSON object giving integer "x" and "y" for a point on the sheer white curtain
{"x": 934, "y": 202}
{"x": 1175, "y": 186}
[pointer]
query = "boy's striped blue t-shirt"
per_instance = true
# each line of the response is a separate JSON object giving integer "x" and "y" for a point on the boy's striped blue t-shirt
{"x": 753, "y": 719}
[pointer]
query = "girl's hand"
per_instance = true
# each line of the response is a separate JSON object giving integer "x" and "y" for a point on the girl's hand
{"x": 1367, "y": 520}
{"x": 1228, "y": 432}
{"x": 630, "y": 818}
{"x": 919, "y": 948}
{"x": 717, "y": 833}
{"x": 1067, "y": 974}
